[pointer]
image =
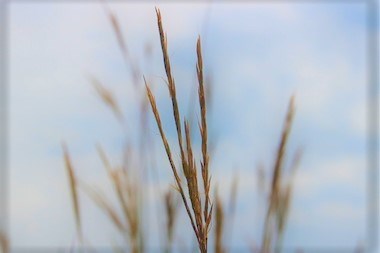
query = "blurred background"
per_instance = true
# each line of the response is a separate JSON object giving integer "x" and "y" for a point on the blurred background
{"x": 256, "y": 56}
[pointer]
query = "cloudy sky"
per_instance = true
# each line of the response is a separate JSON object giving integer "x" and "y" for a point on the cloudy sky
{"x": 257, "y": 55}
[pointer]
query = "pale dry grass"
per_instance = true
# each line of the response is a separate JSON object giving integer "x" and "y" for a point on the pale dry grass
{"x": 101, "y": 201}
{"x": 108, "y": 98}
{"x": 126, "y": 214}
{"x": 129, "y": 224}
{"x": 199, "y": 211}
{"x": 73, "y": 189}
{"x": 194, "y": 190}
{"x": 224, "y": 218}
{"x": 4, "y": 243}
{"x": 131, "y": 63}
{"x": 171, "y": 211}
{"x": 281, "y": 188}
{"x": 219, "y": 246}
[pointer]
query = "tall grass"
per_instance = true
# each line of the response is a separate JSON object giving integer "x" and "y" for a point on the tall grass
{"x": 281, "y": 190}
{"x": 73, "y": 189}
{"x": 4, "y": 243}
{"x": 192, "y": 175}
{"x": 224, "y": 219}
{"x": 171, "y": 211}
{"x": 199, "y": 211}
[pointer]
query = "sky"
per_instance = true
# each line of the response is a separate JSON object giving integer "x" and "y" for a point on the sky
{"x": 256, "y": 54}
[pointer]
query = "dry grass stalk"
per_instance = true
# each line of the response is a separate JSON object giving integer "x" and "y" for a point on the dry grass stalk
{"x": 171, "y": 210}
{"x": 171, "y": 86}
{"x": 224, "y": 219}
{"x": 199, "y": 214}
{"x": 108, "y": 98}
{"x": 117, "y": 30}
{"x": 280, "y": 192}
{"x": 127, "y": 190}
{"x": 204, "y": 134}
{"x": 101, "y": 201}
{"x": 4, "y": 243}
{"x": 134, "y": 68}
{"x": 285, "y": 199}
{"x": 73, "y": 189}
{"x": 196, "y": 198}
{"x": 219, "y": 225}
{"x": 126, "y": 193}
{"x": 135, "y": 201}
{"x": 123, "y": 46}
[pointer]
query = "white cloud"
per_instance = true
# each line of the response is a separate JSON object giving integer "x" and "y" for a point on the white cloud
{"x": 348, "y": 172}
{"x": 358, "y": 117}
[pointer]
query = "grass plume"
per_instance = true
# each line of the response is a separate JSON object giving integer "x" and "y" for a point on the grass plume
{"x": 219, "y": 225}
{"x": 73, "y": 189}
{"x": 191, "y": 175}
{"x": 101, "y": 201}
{"x": 171, "y": 210}
{"x": 224, "y": 219}
{"x": 126, "y": 192}
{"x": 280, "y": 191}
{"x": 199, "y": 214}
{"x": 4, "y": 243}
{"x": 108, "y": 98}
{"x": 131, "y": 63}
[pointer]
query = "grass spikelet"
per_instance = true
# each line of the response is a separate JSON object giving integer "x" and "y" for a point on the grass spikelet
{"x": 104, "y": 158}
{"x": 123, "y": 45}
{"x": 286, "y": 197}
{"x": 73, "y": 189}
{"x": 117, "y": 30}
{"x": 204, "y": 133}
{"x": 171, "y": 86}
{"x": 277, "y": 170}
{"x": 108, "y": 98}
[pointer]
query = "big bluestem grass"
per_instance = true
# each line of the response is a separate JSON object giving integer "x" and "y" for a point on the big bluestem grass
{"x": 192, "y": 175}
{"x": 199, "y": 211}
{"x": 4, "y": 243}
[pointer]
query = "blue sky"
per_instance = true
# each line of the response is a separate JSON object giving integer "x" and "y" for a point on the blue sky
{"x": 257, "y": 55}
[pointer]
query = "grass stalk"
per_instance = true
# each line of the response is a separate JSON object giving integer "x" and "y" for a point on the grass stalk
{"x": 73, "y": 190}
{"x": 198, "y": 213}
{"x": 171, "y": 210}
{"x": 278, "y": 201}
{"x": 4, "y": 243}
